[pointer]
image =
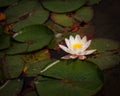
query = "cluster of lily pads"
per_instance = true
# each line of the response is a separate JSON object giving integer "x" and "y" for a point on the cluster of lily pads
{"x": 29, "y": 43}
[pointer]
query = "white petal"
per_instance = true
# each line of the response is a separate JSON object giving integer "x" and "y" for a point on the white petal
{"x": 85, "y": 46}
{"x": 84, "y": 40}
{"x": 77, "y": 38}
{"x": 71, "y": 39}
{"x": 89, "y": 52}
{"x": 64, "y": 48}
{"x": 67, "y": 43}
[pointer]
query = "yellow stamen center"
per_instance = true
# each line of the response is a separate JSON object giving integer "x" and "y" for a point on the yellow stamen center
{"x": 76, "y": 45}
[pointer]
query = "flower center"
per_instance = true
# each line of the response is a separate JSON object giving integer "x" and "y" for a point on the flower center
{"x": 76, "y": 45}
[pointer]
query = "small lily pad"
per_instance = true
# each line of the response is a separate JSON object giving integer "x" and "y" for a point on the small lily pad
{"x": 70, "y": 78}
{"x": 84, "y": 14}
{"x": 61, "y": 6}
{"x": 34, "y": 36}
{"x": 62, "y": 19}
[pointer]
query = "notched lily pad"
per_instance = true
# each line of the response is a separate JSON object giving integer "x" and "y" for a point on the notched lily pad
{"x": 34, "y": 36}
{"x": 61, "y": 6}
{"x": 84, "y": 14}
{"x": 62, "y": 19}
{"x": 104, "y": 44}
{"x": 37, "y": 16}
{"x": 23, "y": 7}
{"x": 17, "y": 48}
{"x": 72, "y": 78}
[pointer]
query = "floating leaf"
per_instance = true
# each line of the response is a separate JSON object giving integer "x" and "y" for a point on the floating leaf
{"x": 37, "y": 16}
{"x": 4, "y": 41}
{"x": 106, "y": 60}
{"x": 22, "y": 8}
{"x": 33, "y": 69}
{"x": 92, "y": 2}
{"x": 84, "y": 14}
{"x": 7, "y": 2}
{"x": 75, "y": 78}
{"x": 61, "y": 6}
{"x": 13, "y": 65}
{"x": 62, "y": 19}
{"x": 108, "y": 56}
{"x": 34, "y": 36}
{"x": 104, "y": 44}
{"x": 12, "y": 88}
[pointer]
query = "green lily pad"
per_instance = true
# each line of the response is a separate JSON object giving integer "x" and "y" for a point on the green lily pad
{"x": 13, "y": 66}
{"x": 104, "y": 44}
{"x": 106, "y": 57}
{"x": 12, "y": 88}
{"x": 106, "y": 60}
{"x": 7, "y": 2}
{"x": 75, "y": 78}
{"x": 61, "y": 6}
{"x": 92, "y": 2}
{"x": 34, "y": 69}
{"x": 22, "y": 8}
{"x": 62, "y": 19}
{"x": 34, "y": 36}
{"x": 84, "y": 14}
{"x": 16, "y": 48}
{"x": 4, "y": 41}
{"x": 37, "y": 16}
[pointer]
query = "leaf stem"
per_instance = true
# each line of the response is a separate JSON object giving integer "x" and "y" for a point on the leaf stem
{"x": 4, "y": 84}
{"x": 49, "y": 66}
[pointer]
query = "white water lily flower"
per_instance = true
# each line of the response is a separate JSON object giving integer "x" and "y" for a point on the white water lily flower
{"x": 76, "y": 47}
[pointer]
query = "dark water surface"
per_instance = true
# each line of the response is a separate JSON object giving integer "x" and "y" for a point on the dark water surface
{"x": 107, "y": 25}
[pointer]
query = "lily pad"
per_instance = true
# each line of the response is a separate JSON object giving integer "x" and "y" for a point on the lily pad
{"x": 84, "y": 14}
{"x": 34, "y": 69}
{"x": 34, "y": 36}
{"x": 74, "y": 78}
{"x": 7, "y": 2}
{"x": 61, "y": 6}
{"x": 62, "y": 19}
{"x": 108, "y": 54}
{"x": 92, "y": 2}
{"x": 104, "y": 44}
{"x": 13, "y": 66}
{"x": 20, "y": 9}
{"x": 12, "y": 88}
{"x": 17, "y": 48}
{"x": 37, "y": 16}
{"x": 106, "y": 60}
{"x": 4, "y": 41}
